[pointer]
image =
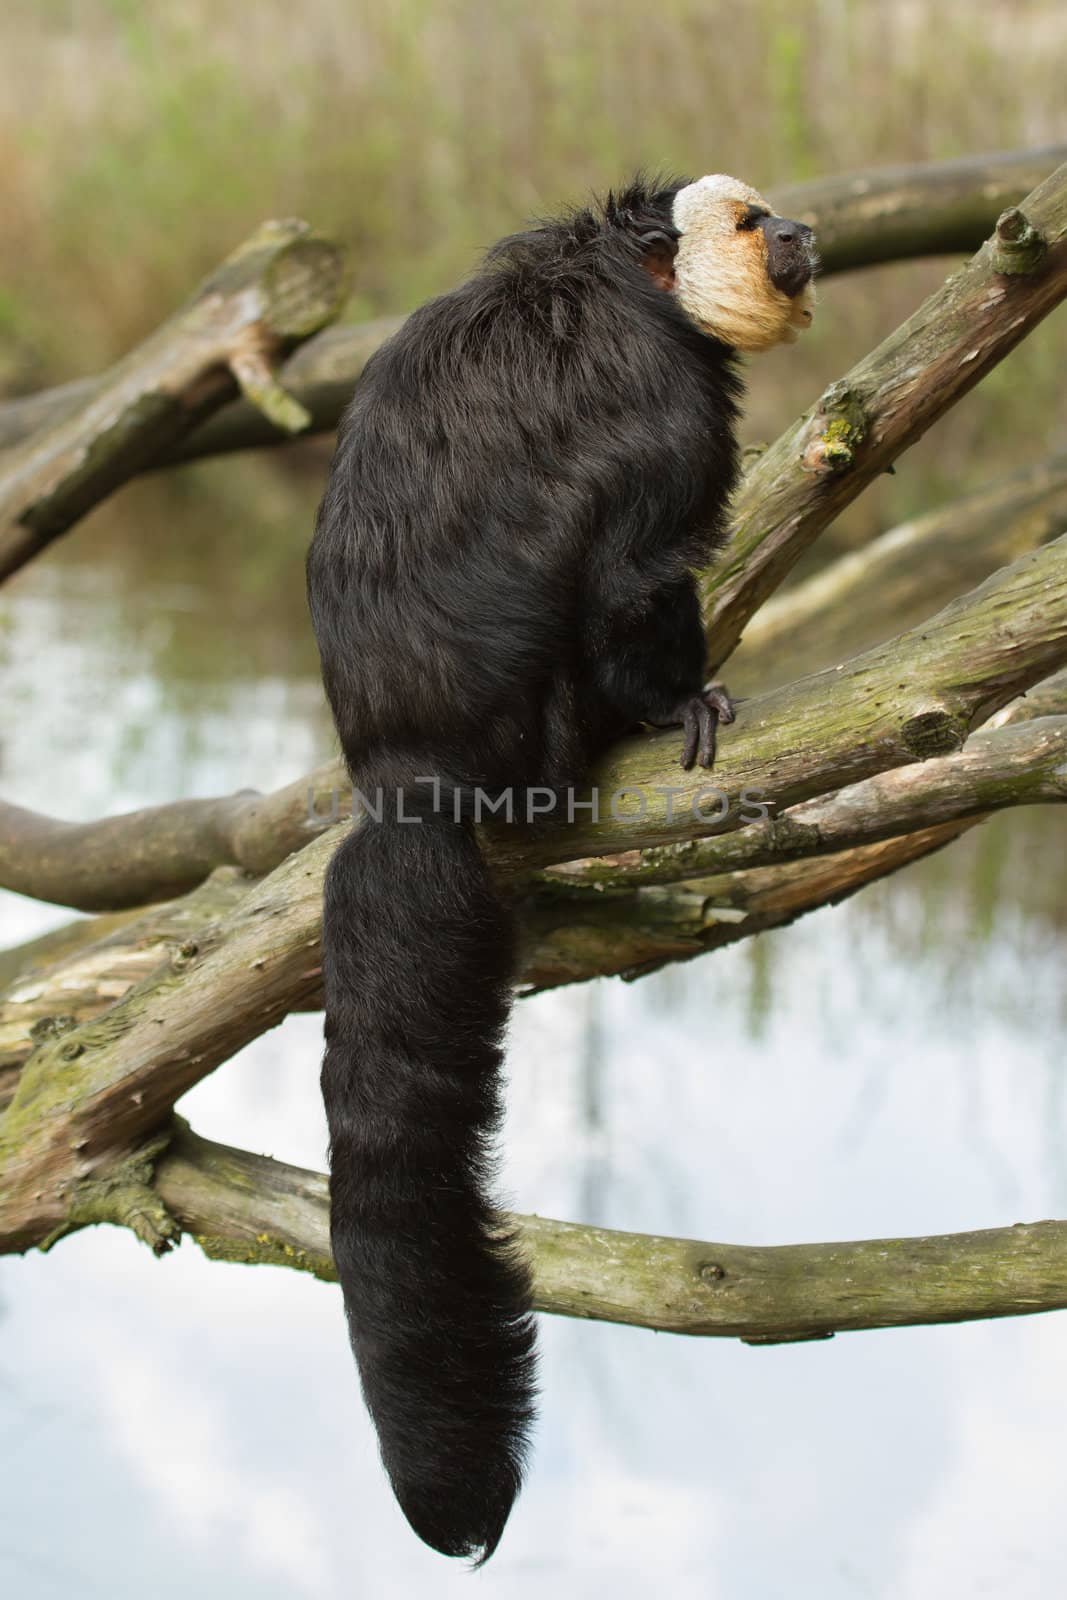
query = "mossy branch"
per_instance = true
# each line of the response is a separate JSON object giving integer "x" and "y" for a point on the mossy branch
{"x": 863, "y": 422}
{"x": 1015, "y": 765}
{"x": 892, "y": 583}
{"x": 622, "y": 928}
{"x": 628, "y": 932}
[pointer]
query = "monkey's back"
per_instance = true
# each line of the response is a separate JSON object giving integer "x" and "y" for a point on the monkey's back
{"x": 556, "y": 410}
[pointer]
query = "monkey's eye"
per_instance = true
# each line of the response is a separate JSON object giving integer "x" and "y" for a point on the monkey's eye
{"x": 751, "y": 218}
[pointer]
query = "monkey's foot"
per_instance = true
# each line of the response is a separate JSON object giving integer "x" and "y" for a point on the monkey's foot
{"x": 700, "y": 717}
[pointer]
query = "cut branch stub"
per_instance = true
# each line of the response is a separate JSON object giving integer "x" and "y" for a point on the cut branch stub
{"x": 1017, "y": 246}
{"x": 281, "y": 285}
{"x": 839, "y": 430}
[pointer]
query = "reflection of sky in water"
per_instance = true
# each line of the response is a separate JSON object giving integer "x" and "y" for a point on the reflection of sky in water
{"x": 182, "y": 1426}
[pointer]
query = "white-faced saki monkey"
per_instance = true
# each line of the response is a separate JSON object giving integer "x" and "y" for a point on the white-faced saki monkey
{"x": 501, "y": 584}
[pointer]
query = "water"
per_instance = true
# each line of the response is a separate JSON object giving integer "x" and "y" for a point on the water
{"x": 893, "y": 1066}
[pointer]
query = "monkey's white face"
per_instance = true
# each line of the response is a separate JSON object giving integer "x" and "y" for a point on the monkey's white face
{"x": 741, "y": 273}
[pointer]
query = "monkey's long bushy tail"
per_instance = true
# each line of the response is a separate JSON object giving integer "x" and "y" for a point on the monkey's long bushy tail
{"x": 418, "y": 962}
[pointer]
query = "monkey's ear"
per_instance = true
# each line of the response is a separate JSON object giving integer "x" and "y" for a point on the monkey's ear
{"x": 658, "y": 251}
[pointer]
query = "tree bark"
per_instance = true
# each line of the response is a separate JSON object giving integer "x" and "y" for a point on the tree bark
{"x": 71, "y": 975}
{"x": 281, "y": 286}
{"x": 1020, "y": 764}
{"x": 630, "y": 933}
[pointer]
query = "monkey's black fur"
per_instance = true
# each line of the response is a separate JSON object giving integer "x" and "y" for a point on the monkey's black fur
{"x": 500, "y": 585}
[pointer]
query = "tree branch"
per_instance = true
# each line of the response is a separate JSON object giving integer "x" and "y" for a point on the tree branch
{"x": 628, "y": 933}
{"x": 242, "y": 1207}
{"x": 73, "y": 974}
{"x": 567, "y": 937}
{"x": 864, "y": 421}
{"x": 898, "y": 213}
{"x": 161, "y": 851}
{"x": 1016, "y": 765}
{"x": 281, "y": 286}
{"x": 894, "y": 581}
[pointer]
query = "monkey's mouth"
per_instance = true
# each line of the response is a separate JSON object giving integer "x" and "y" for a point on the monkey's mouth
{"x": 791, "y": 257}
{"x": 793, "y": 276}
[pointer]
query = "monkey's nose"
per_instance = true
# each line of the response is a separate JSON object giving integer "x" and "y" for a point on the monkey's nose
{"x": 786, "y": 231}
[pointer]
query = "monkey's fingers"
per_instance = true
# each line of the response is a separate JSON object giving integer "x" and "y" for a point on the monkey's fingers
{"x": 692, "y": 724}
{"x": 709, "y": 724}
{"x": 717, "y": 696}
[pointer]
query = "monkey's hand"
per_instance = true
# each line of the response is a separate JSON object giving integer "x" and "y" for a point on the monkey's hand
{"x": 699, "y": 716}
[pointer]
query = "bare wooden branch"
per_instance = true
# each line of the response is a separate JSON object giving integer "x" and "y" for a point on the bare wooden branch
{"x": 862, "y": 218}
{"x": 117, "y": 1184}
{"x": 88, "y": 1096}
{"x": 142, "y": 856}
{"x": 899, "y": 213}
{"x": 861, "y": 423}
{"x": 319, "y": 376}
{"x": 72, "y": 975}
{"x": 281, "y": 286}
{"x": 566, "y": 938}
{"x": 242, "y": 1207}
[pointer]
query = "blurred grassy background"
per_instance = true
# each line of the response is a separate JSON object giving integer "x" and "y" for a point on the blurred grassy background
{"x": 140, "y": 142}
